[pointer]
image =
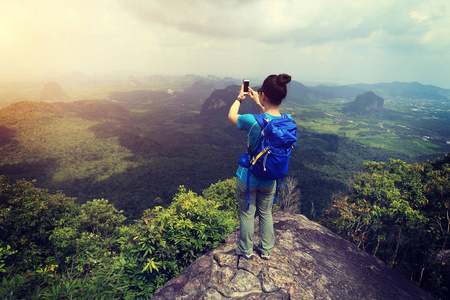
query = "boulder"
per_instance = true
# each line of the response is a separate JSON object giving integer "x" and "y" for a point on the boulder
{"x": 308, "y": 262}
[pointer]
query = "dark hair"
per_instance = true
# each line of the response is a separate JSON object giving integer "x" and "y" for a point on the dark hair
{"x": 274, "y": 87}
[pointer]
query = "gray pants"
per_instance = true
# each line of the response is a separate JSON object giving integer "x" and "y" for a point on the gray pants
{"x": 261, "y": 201}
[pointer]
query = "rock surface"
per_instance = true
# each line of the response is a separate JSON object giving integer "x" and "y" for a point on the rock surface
{"x": 308, "y": 262}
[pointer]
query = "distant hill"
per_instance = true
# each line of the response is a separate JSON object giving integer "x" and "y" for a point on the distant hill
{"x": 194, "y": 89}
{"x": 343, "y": 91}
{"x": 300, "y": 94}
{"x": 52, "y": 91}
{"x": 189, "y": 80}
{"x": 220, "y": 101}
{"x": 70, "y": 79}
{"x": 138, "y": 98}
{"x": 197, "y": 92}
{"x": 365, "y": 103}
{"x": 413, "y": 90}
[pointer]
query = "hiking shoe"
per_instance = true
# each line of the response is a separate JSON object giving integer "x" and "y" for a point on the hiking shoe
{"x": 265, "y": 256}
{"x": 247, "y": 256}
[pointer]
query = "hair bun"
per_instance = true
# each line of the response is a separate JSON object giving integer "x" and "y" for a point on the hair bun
{"x": 283, "y": 79}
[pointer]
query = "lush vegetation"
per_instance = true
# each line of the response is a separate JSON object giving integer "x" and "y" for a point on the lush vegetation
{"x": 52, "y": 248}
{"x": 138, "y": 151}
{"x": 400, "y": 213}
{"x": 137, "y": 158}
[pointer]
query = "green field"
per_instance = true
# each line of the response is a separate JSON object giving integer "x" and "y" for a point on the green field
{"x": 397, "y": 130}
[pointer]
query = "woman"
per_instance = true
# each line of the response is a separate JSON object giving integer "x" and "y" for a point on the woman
{"x": 268, "y": 98}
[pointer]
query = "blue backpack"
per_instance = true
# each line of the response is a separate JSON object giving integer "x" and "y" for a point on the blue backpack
{"x": 270, "y": 160}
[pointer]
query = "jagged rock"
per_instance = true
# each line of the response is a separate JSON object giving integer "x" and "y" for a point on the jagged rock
{"x": 308, "y": 262}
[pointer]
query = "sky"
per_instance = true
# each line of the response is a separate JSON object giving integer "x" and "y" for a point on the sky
{"x": 327, "y": 41}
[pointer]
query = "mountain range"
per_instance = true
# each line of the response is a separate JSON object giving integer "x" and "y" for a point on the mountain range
{"x": 298, "y": 92}
{"x": 404, "y": 90}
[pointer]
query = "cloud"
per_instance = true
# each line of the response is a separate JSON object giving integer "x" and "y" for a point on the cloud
{"x": 417, "y": 15}
{"x": 201, "y": 17}
{"x": 333, "y": 39}
{"x": 297, "y": 21}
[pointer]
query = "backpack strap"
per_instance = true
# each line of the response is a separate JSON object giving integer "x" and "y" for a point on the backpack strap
{"x": 261, "y": 120}
{"x": 248, "y": 189}
{"x": 276, "y": 192}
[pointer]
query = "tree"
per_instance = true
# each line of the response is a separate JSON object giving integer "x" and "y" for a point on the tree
{"x": 400, "y": 213}
{"x": 28, "y": 216}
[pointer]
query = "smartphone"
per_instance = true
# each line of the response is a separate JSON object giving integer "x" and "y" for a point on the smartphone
{"x": 246, "y": 84}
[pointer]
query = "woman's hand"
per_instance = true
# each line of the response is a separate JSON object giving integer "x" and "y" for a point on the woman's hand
{"x": 241, "y": 93}
{"x": 255, "y": 97}
{"x": 233, "y": 113}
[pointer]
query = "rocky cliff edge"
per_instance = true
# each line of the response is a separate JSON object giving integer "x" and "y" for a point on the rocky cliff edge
{"x": 308, "y": 262}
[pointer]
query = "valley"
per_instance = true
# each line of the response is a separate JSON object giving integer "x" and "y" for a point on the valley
{"x": 136, "y": 145}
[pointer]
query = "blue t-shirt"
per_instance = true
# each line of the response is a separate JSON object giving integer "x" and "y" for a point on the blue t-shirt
{"x": 248, "y": 122}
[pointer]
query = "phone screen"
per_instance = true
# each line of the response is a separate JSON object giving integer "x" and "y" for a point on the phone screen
{"x": 246, "y": 84}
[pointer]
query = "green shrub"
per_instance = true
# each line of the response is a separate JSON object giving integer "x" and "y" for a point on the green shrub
{"x": 28, "y": 216}
{"x": 224, "y": 194}
{"x": 165, "y": 241}
{"x": 65, "y": 251}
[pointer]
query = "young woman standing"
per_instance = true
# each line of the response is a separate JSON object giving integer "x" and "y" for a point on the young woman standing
{"x": 261, "y": 193}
